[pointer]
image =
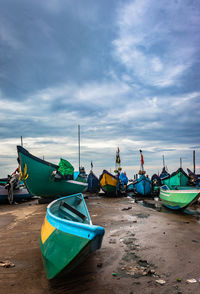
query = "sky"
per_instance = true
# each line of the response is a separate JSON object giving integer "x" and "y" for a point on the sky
{"x": 127, "y": 72}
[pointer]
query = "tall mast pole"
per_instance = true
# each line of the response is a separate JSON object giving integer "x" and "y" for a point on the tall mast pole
{"x": 21, "y": 141}
{"x": 180, "y": 167}
{"x": 79, "y": 149}
{"x": 194, "y": 168}
{"x": 163, "y": 161}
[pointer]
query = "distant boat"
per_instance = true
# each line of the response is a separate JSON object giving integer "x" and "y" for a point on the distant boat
{"x": 43, "y": 178}
{"x": 93, "y": 183}
{"x": 108, "y": 182}
{"x": 177, "y": 178}
{"x": 12, "y": 189}
{"x": 18, "y": 194}
{"x": 114, "y": 184}
{"x": 67, "y": 235}
{"x": 178, "y": 198}
{"x": 164, "y": 174}
{"x": 194, "y": 179}
{"x": 141, "y": 185}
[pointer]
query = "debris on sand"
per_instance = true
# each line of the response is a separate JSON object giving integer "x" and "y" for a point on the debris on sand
{"x": 127, "y": 208}
{"x": 191, "y": 281}
{"x": 112, "y": 241}
{"x": 161, "y": 282}
{"x": 6, "y": 264}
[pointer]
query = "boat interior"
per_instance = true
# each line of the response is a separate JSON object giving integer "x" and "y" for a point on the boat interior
{"x": 72, "y": 208}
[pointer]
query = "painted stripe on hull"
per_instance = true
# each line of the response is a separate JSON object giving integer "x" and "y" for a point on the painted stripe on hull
{"x": 177, "y": 199}
{"x": 46, "y": 231}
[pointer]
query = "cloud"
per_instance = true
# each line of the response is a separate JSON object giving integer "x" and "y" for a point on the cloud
{"x": 154, "y": 40}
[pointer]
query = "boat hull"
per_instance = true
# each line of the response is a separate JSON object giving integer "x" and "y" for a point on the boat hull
{"x": 93, "y": 183}
{"x": 64, "y": 244}
{"x": 39, "y": 179}
{"x": 178, "y": 178}
{"x": 178, "y": 199}
{"x": 141, "y": 186}
{"x": 108, "y": 183}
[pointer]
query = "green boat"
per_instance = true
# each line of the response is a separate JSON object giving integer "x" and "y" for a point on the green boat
{"x": 43, "y": 178}
{"x": 179, "y": 197}
{"x": 177, "y": 178}
{"x": 67, "y": 235}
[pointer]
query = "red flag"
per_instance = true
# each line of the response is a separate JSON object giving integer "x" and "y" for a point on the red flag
{"x": 142, "y": 159}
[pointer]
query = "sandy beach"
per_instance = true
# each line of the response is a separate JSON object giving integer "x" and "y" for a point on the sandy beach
{"x": 143, "y": 247}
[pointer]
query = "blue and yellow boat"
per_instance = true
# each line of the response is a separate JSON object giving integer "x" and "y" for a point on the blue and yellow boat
{"x": 68, "y": 235}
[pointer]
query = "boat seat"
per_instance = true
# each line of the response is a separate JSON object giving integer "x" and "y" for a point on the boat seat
{"x": 73, "y": 210}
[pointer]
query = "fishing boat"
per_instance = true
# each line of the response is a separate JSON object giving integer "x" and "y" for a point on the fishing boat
{"x": 194, "y": 179}
{"x": 108, "y": 182}
{"x": 114, "y": 184}
{"x": 18, "y": 194}
{"x": 13, "y": 189}
{"x": 177, "y": 178}
{"x": 93, "y": 182}
{"x": 68, "y": 235}
{"x": 179, "y": 197}
{"x": 141, "y": 185}
{"x": 45, "y": 179}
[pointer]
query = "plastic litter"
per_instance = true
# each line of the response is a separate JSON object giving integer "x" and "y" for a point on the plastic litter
{"x": 161, "y": 282}
{"x": 6, "y": 263}
{"x": 191, "y": 281}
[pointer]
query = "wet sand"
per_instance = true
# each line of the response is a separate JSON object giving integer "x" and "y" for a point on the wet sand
{"x": 141, "y": 245}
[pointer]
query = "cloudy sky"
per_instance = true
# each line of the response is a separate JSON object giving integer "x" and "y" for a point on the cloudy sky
{"x": 127, "y": 71}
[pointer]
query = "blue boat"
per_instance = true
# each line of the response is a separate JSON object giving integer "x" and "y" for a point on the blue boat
{"x": 93, "y": 183}
{"x": 141, "y": 185}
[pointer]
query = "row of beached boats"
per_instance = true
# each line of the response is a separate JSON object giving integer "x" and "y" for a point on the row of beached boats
{"x": 47, "y": 180}
{"x": 67, "y": 234}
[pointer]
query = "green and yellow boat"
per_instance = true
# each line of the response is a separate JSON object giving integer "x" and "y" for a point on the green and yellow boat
{"x": 68, "y": 235}
{"x": 43, "y": 178}
{"x": 108, "y": 182}
{"x": 178, "y": 198}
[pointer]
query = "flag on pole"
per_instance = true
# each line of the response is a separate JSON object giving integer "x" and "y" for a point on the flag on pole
{"x": 91, "y": 165}
{"x": 142, "y": 159}
{"x": 117, "y": 156}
